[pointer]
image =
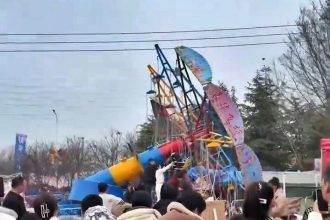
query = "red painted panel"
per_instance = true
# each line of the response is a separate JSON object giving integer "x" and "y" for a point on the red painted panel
{"x": 325, "y": 147}
{"x": 170, "y": 147}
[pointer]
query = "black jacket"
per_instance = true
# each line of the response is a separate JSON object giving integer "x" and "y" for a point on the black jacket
{"x": 127, "y": 197}
{"x": 149, "y": 174}
{"x": 161, "y": 205}
{"x": 15, "y": 202}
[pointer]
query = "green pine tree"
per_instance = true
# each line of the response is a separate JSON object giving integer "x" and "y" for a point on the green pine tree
{"x": 156, "y": 130}
{"x": 146, "y": 134}
{"x": 231, "y": 92}
{"x": 261, "y": 113}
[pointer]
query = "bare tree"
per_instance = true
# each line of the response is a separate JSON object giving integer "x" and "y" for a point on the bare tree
{"x": 110, "y": 149}
{"x": 73, "y": 159}
{"x": 7, "y": 162}
{"x": 307, "y": 59}
{"x": 36, "y": 162}
{"x": 77, "y": 161}
{"x": 131, "y": 140}
{"x": 303, "y": 123}
{"x": 304, "y": 85}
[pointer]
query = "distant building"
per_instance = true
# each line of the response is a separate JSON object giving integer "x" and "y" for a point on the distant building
{"x": 296, "y": 184}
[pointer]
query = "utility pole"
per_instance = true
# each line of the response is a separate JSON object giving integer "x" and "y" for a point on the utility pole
{"x": 56, "y": 163}
{"x": 56, "y": 121}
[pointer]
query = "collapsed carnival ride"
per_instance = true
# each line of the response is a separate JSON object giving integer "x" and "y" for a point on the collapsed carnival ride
{"x": 209, "y": 129}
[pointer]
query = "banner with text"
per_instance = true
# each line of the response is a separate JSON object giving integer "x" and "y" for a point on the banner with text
{"x": 20, "y": 150}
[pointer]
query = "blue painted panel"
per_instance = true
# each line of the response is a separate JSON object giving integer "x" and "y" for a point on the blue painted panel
{"x": 102, "y": 176}
{"x": 196, "y": 63}
{"x": 250, "y": 164}
{"x": 151, "y": 153}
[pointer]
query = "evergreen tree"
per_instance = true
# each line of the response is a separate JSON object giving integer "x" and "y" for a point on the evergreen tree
{"x": 233, "y": 95}
{"x": 146, "y": 134}
{"x": 261, "y": 113}
{"x": 231, "y": 92}
{"x": 155, "y": 131}
{"x": 223, "y": 86}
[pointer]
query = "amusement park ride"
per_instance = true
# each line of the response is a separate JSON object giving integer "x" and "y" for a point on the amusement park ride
{"x": 210, "y": 129}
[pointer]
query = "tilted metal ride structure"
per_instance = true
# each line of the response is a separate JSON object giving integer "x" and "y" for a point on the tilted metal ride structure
{"x": 210, "y": 118}
{"x": 209, "y": 129}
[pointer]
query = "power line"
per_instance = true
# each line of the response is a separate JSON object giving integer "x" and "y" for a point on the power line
{"x": 147, "y": 32}
{"x": 145, "y": 41}
{"x": 137, "y": 49}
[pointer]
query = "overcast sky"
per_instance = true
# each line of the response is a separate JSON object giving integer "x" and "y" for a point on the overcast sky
{"x": 93, "y": 92}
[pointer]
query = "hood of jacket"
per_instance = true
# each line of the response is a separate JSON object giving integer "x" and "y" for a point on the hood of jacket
{"x": 140, "y": 214}
{"x": 176, "y": 211}
{"x": 98, "y": 213}
{"x": 5, "y": 211}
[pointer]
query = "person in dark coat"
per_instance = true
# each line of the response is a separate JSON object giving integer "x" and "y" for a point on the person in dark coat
{"x": 30, "y": 216}
{"x": 13, "y": 199}
{"x": 168, "y": 194}
{"x": 130, "y": 191}
{"x": 149, "y": 178}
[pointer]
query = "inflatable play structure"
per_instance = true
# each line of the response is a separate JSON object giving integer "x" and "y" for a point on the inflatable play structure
{"x": 122, "y": 172}
{"x": 209, "y": 128}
